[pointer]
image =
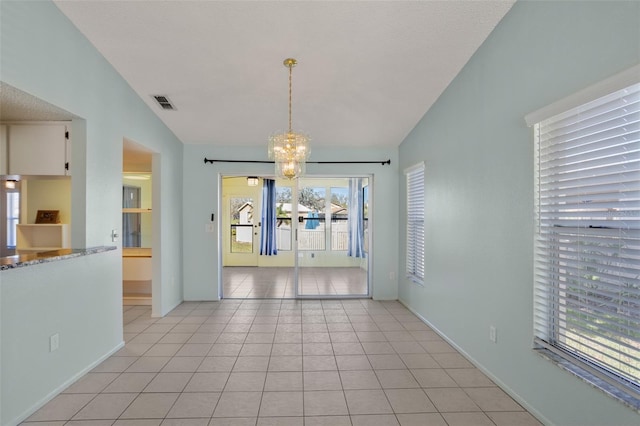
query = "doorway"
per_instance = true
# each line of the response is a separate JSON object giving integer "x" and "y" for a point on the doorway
{"x": 131, "y": 221}
{"x": 309, "y": 239}
{"x": 333, "y": 237}
{"x": 241, "y": 204}
{"x": 9, "y": 216}
{"x": 138, "y": 262}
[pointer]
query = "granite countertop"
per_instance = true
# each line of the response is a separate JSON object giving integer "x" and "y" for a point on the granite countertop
{"x": 22, "y": 260}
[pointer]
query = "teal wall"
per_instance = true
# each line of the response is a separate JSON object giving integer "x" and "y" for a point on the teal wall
{"x": 43, "y": 54}
{"x": 479, "y": 193}
{"x": 201, "y": 194}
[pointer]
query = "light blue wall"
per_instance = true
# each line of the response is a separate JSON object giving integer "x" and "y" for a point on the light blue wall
{"x": 73, "y": 298}
{"x": 479, "y": 193}
{"x": 44, "y": 55}
{"x": 201, "y": 199}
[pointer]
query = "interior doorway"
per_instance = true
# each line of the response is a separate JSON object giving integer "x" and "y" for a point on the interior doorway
{"x": 137, "y": 225}
{"x": 307, "y": 238}
{"x": 9, "y": 216}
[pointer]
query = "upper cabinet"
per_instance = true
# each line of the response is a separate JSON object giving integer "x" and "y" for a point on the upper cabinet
{"x": 38, "y": 149}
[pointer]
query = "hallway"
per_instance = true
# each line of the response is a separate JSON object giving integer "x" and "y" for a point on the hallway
{"x": 282, "y": 362}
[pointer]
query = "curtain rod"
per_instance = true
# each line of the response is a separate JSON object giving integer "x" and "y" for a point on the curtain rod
{"x": 207, "y": 160}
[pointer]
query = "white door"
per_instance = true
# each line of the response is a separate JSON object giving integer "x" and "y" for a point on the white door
{"x": 240, "y": 223}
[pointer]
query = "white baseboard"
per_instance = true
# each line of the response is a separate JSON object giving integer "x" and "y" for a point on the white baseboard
{"x": 480, "y": 367}
{"x": 39, "y": 404}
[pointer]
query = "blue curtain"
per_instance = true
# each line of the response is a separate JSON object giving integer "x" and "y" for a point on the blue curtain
{"x": 355, "y": 221}
{"x": 268, "y": 219}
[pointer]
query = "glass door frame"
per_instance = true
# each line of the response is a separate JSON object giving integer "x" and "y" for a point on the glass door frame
{"x": 369, "y": 247}
{"x": 295, "y": 227}
{"x": 251, "y": 229}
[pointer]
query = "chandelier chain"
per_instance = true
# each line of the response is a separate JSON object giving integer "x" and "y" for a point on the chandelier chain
{"x": 290, "y": 149}
{"x": 290, "y": 89}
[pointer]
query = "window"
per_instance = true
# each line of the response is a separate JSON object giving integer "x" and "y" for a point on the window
{"x": 241, "y": 224}
{"x": 415, "y": 223}
{"x": 13, "y": 217}
{"x": 283, "y": 213}
{"x": 311, "y": 219}
{"x": 587, "y": 242}
{"x": 339, "y": 217}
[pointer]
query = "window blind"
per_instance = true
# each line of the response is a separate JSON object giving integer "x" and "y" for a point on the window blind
{"x": 587, "y": 247}
{"x": 415, "y": 223}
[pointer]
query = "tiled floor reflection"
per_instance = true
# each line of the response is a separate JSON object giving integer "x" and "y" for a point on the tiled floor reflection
{"x": 268, "y": 283}
{"x": 282, "y": 362}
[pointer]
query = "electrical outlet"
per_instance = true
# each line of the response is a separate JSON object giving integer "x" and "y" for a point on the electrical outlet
{"x": 54, "y": 342}
{"x": 392, "y": 276}
{"x": 493, "y": 334}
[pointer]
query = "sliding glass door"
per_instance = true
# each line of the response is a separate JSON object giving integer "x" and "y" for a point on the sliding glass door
{"x": 285, "y": 239}
{"x": 332, "y": 244}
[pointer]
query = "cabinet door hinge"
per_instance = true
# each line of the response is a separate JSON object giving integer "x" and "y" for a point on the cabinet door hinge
{"x": 66, "y": 165}
{"x": 66, "y": 135}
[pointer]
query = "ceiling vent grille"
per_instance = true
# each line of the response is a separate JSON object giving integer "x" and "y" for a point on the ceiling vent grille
{"x": 164, "y": 102}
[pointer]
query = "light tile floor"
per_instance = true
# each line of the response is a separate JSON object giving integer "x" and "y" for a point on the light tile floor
{"x": 278, "y": 282}
{"x": 282, "y": 362}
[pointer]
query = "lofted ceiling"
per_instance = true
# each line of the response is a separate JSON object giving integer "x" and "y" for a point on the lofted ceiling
{"x": 367, "y": 70}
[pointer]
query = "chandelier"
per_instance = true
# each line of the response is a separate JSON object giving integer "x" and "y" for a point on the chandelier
{"x": 289, "y": 150}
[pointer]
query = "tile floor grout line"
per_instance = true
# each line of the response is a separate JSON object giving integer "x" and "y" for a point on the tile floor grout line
{"x": 380, "y": 315}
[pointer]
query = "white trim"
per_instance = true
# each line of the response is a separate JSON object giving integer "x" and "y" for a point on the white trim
{"x": 614, "y": 83}
{"x": 534, "y": 412}
{"x": 416, "y": 166}
{"x": 39, "y": 404}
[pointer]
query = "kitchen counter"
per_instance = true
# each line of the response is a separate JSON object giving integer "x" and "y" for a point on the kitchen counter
{"x": 22, "y": 260}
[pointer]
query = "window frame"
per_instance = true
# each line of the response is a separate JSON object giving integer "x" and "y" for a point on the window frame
{"x": 625, "y": 390}
{"x": 415, "y": 223}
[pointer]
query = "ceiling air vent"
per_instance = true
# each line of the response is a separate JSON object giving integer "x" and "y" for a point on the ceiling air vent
{"x": 164, "y": 102}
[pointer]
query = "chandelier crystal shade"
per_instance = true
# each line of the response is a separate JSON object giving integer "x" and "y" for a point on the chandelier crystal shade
{"x": 289, "y": 150}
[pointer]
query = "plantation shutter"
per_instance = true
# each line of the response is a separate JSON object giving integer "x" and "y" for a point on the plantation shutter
{"x": 587, "y": 247}
{"x": 415, "y": 222}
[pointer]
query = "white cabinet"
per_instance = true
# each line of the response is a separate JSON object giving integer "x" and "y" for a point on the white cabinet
{"x": 38, "y": 149}
{"x": 42, "y": 237}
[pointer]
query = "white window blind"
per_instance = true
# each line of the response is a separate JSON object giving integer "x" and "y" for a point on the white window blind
{"x": 415, "y": 222}
{"x": 587, "y": 247}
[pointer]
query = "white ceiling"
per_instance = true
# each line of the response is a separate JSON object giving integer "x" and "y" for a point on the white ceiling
{"x": 367, "y": 70}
